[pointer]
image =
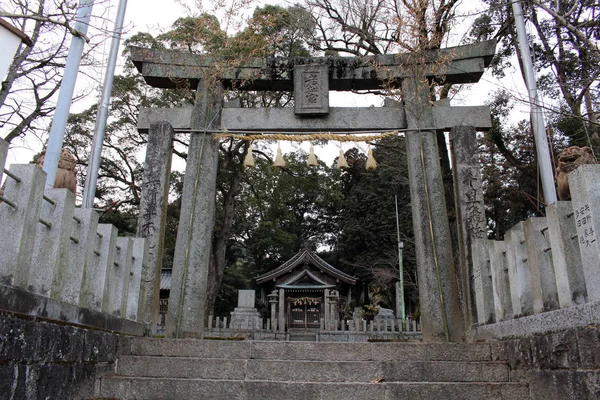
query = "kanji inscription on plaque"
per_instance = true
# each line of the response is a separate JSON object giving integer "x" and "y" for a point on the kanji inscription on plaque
{"x": 311, "y": 89}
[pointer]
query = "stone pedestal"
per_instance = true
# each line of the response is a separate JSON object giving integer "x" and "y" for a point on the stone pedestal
{"x": 245, "y": 316}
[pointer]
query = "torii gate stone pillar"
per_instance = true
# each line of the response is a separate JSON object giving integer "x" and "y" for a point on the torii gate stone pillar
{"x": 441, "y": 313}
{"x": 187, "y": 302}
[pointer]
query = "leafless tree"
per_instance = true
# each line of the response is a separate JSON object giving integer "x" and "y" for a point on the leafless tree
{"x": 33, "y": 79}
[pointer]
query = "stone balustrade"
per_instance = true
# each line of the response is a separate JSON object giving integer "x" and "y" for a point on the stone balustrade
{"x": 351, "y": 330}
{"x": 548, "y": 264}
{"x": 60, "y": 255}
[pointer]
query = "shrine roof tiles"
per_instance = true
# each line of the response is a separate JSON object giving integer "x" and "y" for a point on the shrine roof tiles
{"x": 308, "y": 256}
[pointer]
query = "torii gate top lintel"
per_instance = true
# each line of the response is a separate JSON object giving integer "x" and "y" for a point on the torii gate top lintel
{"x": 170, "y": 69}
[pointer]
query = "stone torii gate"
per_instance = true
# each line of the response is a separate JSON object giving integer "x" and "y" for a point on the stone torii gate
{"x": 444, "y": 289}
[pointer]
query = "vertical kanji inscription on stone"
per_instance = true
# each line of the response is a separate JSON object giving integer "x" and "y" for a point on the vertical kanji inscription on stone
{"x": 311, "y": 90}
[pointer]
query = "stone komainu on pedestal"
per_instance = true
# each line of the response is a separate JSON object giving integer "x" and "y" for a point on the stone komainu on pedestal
{"x": 568, "y": 160}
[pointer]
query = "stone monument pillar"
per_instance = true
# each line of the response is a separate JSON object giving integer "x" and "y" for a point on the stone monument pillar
{"x": 245, "y": 316}
{"x": 332, "y": 304}
{"x": 281, "y": 311}
{"x": 473, "y": 274}
{"x": 187, "y": 304}
{"x": 273, "y": 302}
{"x": 153, "y": 213}
{"x": 327, "y": 306}
{"x": 438, "y": 292}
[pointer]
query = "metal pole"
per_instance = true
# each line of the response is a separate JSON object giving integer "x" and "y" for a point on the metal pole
{"x": 65, "y": 95}
{"x": 400, "y": 285}
{"x": 537, "y": 119}
{"x": 89, "y": 190}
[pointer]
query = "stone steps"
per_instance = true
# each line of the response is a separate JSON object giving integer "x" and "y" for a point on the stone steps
{"x": 206, "y": 369}
{"x": 316, "y": 351}
{"x": 312, "y": 371}
{"x": 174, "y": 389}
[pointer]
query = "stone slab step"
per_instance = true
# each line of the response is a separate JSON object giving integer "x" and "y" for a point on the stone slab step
{"x": 125, "y": 388}
{"x": 319, "y": 351}
{"x": 312, "y": 371}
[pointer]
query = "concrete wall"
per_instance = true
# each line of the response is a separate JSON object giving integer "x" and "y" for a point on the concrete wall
{"x": 557, "y": 365}
{"x": 45, "y": 360}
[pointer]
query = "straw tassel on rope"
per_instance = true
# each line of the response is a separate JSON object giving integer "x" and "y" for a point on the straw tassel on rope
{"x": 279, "y": 161}
{"x": 371, "y": 163}
{"x": 312, "y": 159}
{"x": 342, "y": 163}
{"x": 249, "y": 159}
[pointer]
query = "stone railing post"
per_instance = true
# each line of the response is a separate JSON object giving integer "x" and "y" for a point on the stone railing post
{"x": 94, "y": 277}
{"x": 135, "y": 297}
{"x": 67, "y": 282}
{"x": 568, "y": 267}
{"x": 51, "y": 239}
{"x": 118, "y": 283}
{"x": 518, "y": 271}
{"x": 498, "y": 265}
{"x": 541, "y": 268}
{"x": 19, "y": 223}
{"x": 106, "y": 265}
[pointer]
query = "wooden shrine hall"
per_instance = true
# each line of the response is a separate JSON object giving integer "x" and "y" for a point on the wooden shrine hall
{"x": 305, "y": 290}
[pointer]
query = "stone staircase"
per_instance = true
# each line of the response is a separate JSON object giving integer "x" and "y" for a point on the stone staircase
{"x": 203, "y": 369}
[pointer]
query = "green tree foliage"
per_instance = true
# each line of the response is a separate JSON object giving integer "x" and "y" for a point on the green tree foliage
{"x": 368, "y": 245}
{"x": 512, "y": 190}
{"x": 564, "y": 41}
{"x": 279, "y": 211}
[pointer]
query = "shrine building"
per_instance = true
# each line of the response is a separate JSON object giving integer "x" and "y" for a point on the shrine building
{"x": 305, "y": 290}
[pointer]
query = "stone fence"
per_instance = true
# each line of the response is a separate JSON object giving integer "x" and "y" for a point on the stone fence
{"x": 58, "y": 262}
{"x": 354, "y": 330}
{"x": 545, "y": 275}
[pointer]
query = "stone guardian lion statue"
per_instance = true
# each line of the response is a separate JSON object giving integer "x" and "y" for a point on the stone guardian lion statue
{"x": 568, "y": 160}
